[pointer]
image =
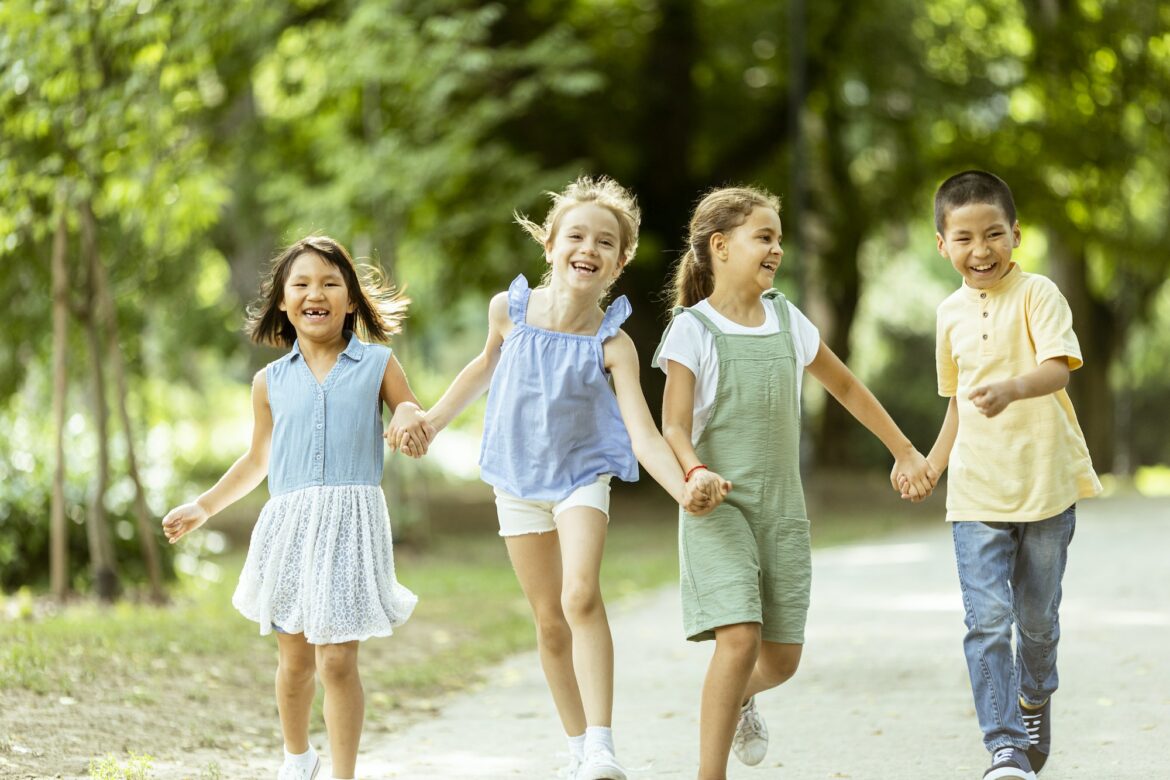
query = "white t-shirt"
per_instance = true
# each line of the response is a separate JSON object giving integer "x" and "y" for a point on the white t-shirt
{"x": 691, "y": 344}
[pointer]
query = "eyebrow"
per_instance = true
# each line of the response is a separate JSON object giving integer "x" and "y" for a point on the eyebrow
{"x": 327, "y": 275}
{"x": 602, "y": 232}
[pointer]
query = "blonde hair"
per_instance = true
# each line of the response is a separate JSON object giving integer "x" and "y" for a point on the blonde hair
{"x": 603, "y": 191}
{"x": 720, "y": 211}
{"x": 379, "y": 312}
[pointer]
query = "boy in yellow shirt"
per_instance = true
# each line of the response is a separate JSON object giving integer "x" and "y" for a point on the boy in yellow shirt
{"x": 1018, "y": 460}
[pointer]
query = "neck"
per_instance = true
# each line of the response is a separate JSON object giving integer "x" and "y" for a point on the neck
{"x": 738, "y": 303}
{"x": 569, "y": 311}
{"x": 313, "y": 350}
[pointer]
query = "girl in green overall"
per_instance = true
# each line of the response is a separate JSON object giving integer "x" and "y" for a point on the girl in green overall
{"x": 734, "y": 354}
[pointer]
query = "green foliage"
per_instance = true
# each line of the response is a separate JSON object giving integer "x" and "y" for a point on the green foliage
{"x": 109, "y": 767}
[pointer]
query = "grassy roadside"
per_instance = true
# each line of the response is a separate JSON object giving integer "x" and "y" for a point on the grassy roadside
{"x": 192, "y": 683}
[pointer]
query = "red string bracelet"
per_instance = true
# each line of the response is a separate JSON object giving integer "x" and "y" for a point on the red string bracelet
{"x": 687, "y": 478}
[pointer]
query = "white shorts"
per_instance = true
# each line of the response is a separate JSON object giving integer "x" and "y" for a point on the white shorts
{"x": 523, "y": 516}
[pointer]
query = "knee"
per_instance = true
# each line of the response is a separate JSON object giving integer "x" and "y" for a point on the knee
{"x": 778, "y": 667}
{"x": 338, "y": 663}
{"x": 580, "y": 600}
{"x": 297, "y": 669}
{"x": 740, "y": 643}
{"x": 552, "y": 632}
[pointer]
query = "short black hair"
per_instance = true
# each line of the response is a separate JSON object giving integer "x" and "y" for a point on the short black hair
{"x": 972, "y": 187}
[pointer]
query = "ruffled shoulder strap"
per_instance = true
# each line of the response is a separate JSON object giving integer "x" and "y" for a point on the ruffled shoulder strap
{"x": 518, "y": 293}
{"x": 617, "y": 313}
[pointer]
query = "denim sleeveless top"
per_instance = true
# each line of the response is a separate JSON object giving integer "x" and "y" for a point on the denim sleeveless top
{"x": 330, "y": 432}
{"x": 552, "y": 422}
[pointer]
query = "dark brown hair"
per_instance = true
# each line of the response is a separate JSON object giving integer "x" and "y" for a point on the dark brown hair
{"x": 972, "y": 187}
{"x": 379, "y": 312}
{"x": 720, "y": 211}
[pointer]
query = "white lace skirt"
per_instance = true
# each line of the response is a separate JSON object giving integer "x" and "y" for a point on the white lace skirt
{"x": 321, "y": 562}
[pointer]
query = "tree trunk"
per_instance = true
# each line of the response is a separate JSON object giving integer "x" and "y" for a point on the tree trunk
{"x": 58, "y": 526}
{"x": 106, "y": 315}
{"x": 1096, "y": 326}
{"x": 101, "y": 552}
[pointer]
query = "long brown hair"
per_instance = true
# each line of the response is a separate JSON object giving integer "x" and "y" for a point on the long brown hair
{"x": 720, "y": 211}
{"x": 379, "y": 307}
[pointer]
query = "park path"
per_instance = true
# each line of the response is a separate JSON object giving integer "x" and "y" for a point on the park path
{"x": 882, "y": 692}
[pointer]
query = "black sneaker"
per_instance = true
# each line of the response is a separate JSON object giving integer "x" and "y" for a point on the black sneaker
{"x": 1009, "y": 762}
{"x": 1039, "y": 726}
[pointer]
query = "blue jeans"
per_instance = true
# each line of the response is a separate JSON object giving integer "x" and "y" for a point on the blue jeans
{"x": 1010, "y": 573}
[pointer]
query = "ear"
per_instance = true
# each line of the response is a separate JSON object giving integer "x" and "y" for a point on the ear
{"x": 942, "y": 245}
{"x": 1016, "y": 235}
{"x": 281, "y": 305}
{"x": 718, "y": 245}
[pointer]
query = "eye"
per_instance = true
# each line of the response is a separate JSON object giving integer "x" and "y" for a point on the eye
{"x": 606, "y": 242}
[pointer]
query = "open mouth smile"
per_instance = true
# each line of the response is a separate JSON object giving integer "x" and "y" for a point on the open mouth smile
{"x": 583, "y": 268}
{"x": 315, "y": 314}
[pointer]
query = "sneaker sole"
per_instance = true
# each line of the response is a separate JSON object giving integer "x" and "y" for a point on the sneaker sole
{"x": 1009, "y": 774}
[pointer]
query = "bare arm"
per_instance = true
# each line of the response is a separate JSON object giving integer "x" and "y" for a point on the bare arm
{"x": 239, "y": 480}
{"x": 651, "y": 450}
{"x": 476, "y": 376}
{"x": 678, "y": 411}
{"x": 940, "y": 454}
{"x": 1046, "y": 378}
{"x": 407, "y": 429}
{"x": 828, "y": 369}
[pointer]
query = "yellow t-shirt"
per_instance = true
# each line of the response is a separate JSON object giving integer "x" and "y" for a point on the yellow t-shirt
{"x": 1030, "y": 461}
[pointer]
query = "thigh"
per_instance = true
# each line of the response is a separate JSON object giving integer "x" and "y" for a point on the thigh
{"x": 536, "y": 559}
{"x": 785, "y": 577}
{"x": 985, "y": 554}
{"x": 582, "y": 532}
{"x": 1040, "y": 565}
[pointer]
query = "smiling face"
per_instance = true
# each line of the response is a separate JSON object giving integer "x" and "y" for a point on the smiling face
{"x": 586, "y": 250}
{"x": 315, "y": 298}
{"x": 750, "y": 254}
{"x": 978, "y": 240}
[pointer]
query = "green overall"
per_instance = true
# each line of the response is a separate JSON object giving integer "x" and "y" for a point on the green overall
{"x": 749, "y": 561}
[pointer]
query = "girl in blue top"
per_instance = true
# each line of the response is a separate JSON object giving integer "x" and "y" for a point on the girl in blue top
{"x": 320, "y": 567}
{"x": 555, "y": 433}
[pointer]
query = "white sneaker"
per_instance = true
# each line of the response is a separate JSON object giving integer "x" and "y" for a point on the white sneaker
{"x": 600, "y": 764}
{"x": 750, "y": 743}
{"x": 569, "y": 772}
{"x": 300, "y": 770}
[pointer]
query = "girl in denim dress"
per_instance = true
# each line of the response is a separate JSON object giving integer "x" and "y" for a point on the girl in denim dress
{"x": 320, "y": 566}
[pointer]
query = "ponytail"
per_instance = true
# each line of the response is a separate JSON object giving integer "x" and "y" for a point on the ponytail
{"x": 692, "y": 280}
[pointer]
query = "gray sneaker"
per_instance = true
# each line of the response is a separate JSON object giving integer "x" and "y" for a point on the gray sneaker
{"x": 600, "y": 764}
{"x": 750, "y": 743}
{"x": 1009, "y": 762}
{"x": 1039, "y": 726}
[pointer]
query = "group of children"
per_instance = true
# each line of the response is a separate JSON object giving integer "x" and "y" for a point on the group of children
{"x": 566, "y": 414}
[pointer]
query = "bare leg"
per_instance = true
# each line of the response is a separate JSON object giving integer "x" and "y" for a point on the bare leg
{"x": 775, "y": 666}
{"x": 582, "y": 531}
{"x": 736, "y": 648}
{"x": 296, "y": 685}
{"x": 345, "y": 704}
{"x": 536, "y": 558}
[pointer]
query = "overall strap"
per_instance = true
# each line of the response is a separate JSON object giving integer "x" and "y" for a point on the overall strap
{"x": 615, "y": 314}
{"x": 674, "y": 313}
{"x": 706, "y": 322}
{"x": 518, "y": 294}
{"x": 781, "y": 304}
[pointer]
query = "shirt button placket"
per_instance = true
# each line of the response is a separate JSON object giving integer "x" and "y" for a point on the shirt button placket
{"x": 319, "y": 438}
{"x": 986, "y": 337}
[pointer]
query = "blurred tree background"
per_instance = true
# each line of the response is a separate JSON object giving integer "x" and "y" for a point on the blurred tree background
{"x": 154, "y": 155}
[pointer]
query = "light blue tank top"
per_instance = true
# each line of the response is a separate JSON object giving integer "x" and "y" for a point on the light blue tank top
{"x": 327, "y": 433}
{"x": 552, "y": 422}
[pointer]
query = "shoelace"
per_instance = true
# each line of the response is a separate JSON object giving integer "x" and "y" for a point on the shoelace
{"x": 1003, "y": 754}
{"x": 1032, "y": 724}
{"x": 752, "y": 725}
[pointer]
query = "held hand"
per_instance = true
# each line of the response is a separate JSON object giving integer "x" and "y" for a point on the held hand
{"x": 408, "y": 431}
{"x": 992, "y": 399}
{"x": 182, "y": 520}
{"x": 913, "y": 476}
{"x": 705, "y": 491}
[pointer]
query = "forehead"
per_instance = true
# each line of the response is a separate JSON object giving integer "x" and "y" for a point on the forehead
{"x": 310, "y": 263}
{"x": 592, "y": 216}
{"x": 975, "y": 218}
{"x": 762, "y": 218}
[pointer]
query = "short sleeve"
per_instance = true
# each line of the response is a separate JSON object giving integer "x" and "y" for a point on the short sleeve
{"x": 1050, "y": 325}
{"x": 805, "y": 336}
{"x": 682, "y": 343}
{"x": 944, "y": 359}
